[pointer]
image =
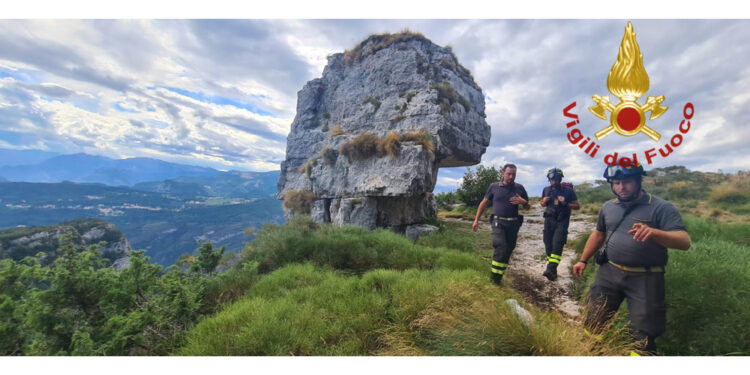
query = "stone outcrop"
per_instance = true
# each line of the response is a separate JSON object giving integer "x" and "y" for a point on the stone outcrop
{"x": 371, "y": 133}
{"x": 18, "y": 243}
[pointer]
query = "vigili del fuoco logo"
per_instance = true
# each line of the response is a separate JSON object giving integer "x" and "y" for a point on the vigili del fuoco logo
{"x": 627, "y": 81}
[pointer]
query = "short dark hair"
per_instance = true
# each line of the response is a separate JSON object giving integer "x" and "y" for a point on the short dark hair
{"x": 509, "y": 165}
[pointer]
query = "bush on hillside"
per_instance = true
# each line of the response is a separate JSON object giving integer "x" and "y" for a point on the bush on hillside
{"x": 389, "y": 145}
{"x": 78, "y": 306}
{"x": 305, "y": 310}
{"x": 475, "y": 184}
{"x": 361, "y": 147}
{"x": 350, "y": 248}
{"x": 299, "y": 201}
{"x": 445, "y": 200}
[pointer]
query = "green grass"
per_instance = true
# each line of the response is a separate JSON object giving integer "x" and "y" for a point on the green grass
{"x": 352, "y": 249}
{"x": 708, "y": 291}
{"x": 305, "y": 310}
{"x": 324, "y": 290}
{"x": 700, "y": 229}
{"x": 459, "y": 236}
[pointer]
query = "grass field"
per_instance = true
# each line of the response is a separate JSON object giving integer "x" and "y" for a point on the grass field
{"x": 387, "y": 297}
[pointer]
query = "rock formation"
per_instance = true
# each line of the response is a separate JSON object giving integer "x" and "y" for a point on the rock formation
{"x": 17, "y": 243}
{"x": 369, "y": 136}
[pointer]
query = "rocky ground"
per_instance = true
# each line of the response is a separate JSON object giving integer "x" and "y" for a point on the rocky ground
{"x": 529, "y": 261}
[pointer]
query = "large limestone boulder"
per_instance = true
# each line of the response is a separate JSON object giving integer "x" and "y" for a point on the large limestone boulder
{"x": 370, "y": 135}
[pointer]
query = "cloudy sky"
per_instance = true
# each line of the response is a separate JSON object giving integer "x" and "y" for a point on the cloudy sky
{"x": 222, "y": 93}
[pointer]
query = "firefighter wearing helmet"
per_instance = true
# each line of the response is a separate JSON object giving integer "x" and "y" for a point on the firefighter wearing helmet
{"x": 634, "y": 232}
{"x": 558, "y": 200}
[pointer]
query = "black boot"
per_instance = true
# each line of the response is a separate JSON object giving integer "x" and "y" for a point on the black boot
{"x": 497, "y": 278}
{"x": 551, "y": 271}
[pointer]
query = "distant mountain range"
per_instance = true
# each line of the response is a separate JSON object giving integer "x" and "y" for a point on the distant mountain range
{"x": 232, "y": 184}
{"x": 166, "y": 225}
{"x": 161, "y": 207}
{"x": 141, "y": 173}
{"x": 99, "y": 169}
{"x": 24, "y": 157}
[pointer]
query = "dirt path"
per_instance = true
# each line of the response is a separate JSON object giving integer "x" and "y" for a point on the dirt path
{"x": 528, "y": 262}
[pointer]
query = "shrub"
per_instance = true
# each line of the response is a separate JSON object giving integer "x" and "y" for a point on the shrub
{"x": 361, "y": 147}
{"x": 350, "y": 248}
{"x": 378, "y": 42}
{"x": 389, "y": 145}
{"x": 445, "y": 200}
{"x": 730, "y": 194}
{"x": 398, "y": 118}
{"x": 299, "y": 201}
{"x": 447, "y": 95}
{"x": 421, "y": 137}
{"x": 372, "y": 100}
{"x": 307, "y": 168}
{"x": 410, "y": 95}
{"x": 329, "y": 156}
{"x": 337, "y": 130}
{"x": 475, "y": 185}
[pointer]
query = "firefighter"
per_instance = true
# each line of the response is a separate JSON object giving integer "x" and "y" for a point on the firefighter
{"x": 635, "y": 230}
{"x": 505, "y": 197}
{"x": 558, "y": 200}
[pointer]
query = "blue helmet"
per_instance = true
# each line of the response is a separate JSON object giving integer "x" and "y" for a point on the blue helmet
{"x": 555, "y": 173}
{"x": 618, "y": 172}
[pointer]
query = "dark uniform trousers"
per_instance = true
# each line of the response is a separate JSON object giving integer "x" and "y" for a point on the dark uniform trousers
{"x": 504, "y": 236}
{"x": 644, "y": 292}
{"x": 555, "y": 235}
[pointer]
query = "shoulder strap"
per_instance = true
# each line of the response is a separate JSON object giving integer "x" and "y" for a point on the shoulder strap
{"x": 624, "y": 215}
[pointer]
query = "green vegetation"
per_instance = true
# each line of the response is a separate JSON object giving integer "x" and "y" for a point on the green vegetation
{"x": 308, "y": 166}
{"x": 372, "y": 100}
{"x": 447, "y": 96}
{"x": 78, "y": 306}
{"x": 475, "y": 184}
{"x": 368, "y": 145}
{"x": 166, "y": 225}
{"x": 378, "y": 42}
{"x": 389, "y": 145}
{"x": 700, "y": 320}
{"x": 421, "y": 137}
{"x": 361, "y": 147}
{"x": 329, "y": 156}
{"x": 708, "y": 292}
{"x": 348, "y": 291}
{"x": 445, "y": 200}
{"x": 708, "y": 195}
{"x": 48, "y": 246}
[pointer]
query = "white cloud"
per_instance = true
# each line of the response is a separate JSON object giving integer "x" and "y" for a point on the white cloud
{"x": 101, "y": 85}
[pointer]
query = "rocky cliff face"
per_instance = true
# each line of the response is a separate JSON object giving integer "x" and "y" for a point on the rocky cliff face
{"x": 18, "y": 243}
{"x": 370, "y": 135}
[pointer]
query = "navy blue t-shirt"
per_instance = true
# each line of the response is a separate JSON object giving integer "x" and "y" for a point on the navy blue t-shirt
{"x": 500, "y": 196}
{"x": 554, "y": 208}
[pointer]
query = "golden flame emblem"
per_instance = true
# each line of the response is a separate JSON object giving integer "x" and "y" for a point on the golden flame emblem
{"x": 628, "y": 81}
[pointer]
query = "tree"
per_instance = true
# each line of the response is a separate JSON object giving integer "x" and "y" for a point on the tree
{"x": 475, "y": 184}
{"x": 208, "y": 258}
{"x": 445, "y": 200}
